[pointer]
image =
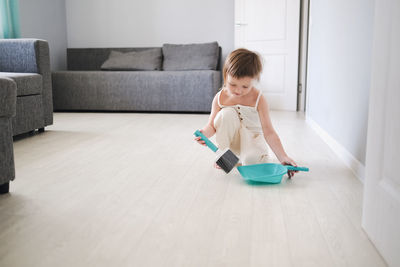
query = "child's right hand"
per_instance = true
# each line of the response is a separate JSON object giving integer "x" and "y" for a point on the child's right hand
{"x": 199, "y": 140}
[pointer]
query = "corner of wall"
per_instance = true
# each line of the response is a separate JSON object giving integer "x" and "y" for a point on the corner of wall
{"x": 348, "y": 159}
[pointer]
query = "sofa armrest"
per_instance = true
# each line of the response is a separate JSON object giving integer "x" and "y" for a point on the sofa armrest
{"x": 29, "y": 56}
{"x": 8, "y": 97}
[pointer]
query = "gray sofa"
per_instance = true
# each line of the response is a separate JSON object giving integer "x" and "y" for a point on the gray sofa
{"x": 8, "y": 101}
{"x": 184, "y": 82}
{"x": 27, "y": 62}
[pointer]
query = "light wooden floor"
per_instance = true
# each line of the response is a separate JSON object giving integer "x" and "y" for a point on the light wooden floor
{"x": 125, "y": 189}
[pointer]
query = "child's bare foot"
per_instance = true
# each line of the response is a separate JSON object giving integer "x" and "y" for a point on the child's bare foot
{"x": 216, "y": 166}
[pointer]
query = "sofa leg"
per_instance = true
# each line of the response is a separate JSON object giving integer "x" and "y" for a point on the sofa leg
{"x": 5, "y": 188}
{"x": 41, "y": 130}
{"x": 31, "y": 132}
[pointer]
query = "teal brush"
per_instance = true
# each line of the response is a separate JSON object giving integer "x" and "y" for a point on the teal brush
{"x": 225, "y": 158}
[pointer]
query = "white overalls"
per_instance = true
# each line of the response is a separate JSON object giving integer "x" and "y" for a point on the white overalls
{"x": 239, "y": 128}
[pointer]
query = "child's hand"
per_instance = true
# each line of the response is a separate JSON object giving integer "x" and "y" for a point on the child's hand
{"x": 288, "y": 161}
{"x": 199, "y": 140}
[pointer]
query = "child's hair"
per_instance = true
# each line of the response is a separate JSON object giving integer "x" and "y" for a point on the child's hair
{"x": 242, "y": 63}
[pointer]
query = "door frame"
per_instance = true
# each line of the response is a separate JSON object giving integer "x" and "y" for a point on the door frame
{"x": 303, "y": 55}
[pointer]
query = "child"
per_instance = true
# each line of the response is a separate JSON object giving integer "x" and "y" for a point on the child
{"x": 239, "y": 113}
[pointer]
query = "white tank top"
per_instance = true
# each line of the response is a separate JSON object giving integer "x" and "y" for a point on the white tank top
{"x": 248, "y": 115}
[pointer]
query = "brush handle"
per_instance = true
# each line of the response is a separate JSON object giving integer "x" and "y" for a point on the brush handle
{"x": 205, "y": 139}
{"x": 293, "y": 168}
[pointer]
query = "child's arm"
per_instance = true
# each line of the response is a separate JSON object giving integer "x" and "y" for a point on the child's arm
{"x": 270, "y": 135}
{"x": 209, "y": 130}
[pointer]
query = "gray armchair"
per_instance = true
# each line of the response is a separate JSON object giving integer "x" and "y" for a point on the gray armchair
{"x": 26, "y": 101}
{"x": 8, "y": 97}
{"x": 27, "y": 63}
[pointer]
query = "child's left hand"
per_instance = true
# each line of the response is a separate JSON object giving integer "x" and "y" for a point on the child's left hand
{"x": 288, "y": 161}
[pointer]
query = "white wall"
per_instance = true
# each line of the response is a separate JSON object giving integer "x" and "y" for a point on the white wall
{"x": 130, "y": 23}
{"x": 46, "y": 19}
{"x": 339, "y": 70}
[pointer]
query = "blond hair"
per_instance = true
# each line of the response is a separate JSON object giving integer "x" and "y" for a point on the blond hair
{"x": 242, "y": 63}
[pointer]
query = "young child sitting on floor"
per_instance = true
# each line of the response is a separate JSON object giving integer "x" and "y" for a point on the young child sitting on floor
{"x": 240, "y": 116}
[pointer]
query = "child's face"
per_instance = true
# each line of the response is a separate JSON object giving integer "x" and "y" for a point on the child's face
{"x": 239, "y": 87}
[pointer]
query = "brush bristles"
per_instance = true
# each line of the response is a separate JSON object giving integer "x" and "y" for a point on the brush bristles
{"x": 227, "y": 161}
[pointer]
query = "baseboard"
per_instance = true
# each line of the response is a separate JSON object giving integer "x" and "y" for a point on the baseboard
{"x": 357, "y": 167}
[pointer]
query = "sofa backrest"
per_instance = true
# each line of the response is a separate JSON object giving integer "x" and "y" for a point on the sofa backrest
{"x": 93, "y": 58}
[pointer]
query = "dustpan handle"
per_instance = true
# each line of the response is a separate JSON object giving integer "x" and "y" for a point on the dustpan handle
{"x": 205, "y": 139}
{"x": 293, "y": 168}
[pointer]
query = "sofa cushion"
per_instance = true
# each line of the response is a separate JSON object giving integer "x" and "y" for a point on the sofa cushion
{"x": 27, "y": 83}
{"x": 202, "y": 56}
{"x": 144, "y": 60}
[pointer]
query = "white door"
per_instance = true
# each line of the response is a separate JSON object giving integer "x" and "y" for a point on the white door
{"x": 381, "y": 207}
{"x": 271, "y": 27}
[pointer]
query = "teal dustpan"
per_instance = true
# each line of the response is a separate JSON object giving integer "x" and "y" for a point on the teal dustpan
{"x": 267, "y": 172}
